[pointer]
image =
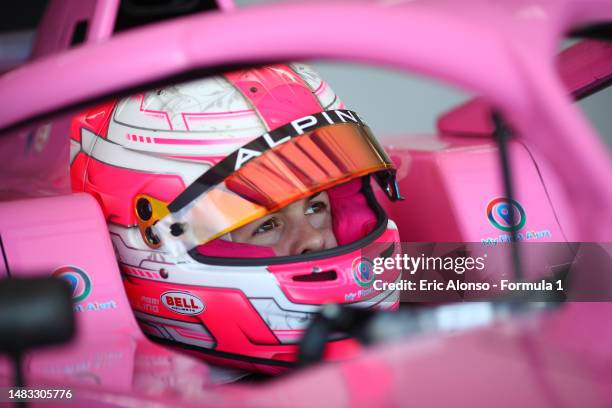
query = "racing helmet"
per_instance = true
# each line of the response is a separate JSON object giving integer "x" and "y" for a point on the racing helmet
{"x": 177, "y": 169}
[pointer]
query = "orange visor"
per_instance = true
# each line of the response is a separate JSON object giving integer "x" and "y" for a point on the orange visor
{"x": 291, "y": 167}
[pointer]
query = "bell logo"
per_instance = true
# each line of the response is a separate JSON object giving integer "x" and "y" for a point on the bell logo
{"x": 183, "y": 303}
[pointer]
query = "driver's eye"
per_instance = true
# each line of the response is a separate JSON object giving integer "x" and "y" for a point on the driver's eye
{"x": 316, "y": 207}
{"x": 266, "y": 226}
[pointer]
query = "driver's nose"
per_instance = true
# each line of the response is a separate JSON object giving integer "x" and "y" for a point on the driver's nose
{"x": 307, "y": 239}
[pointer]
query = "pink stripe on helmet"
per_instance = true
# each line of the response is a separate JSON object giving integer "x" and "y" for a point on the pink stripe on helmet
{"x": 155, "y": 113}
{"x": 320, "y": 88}
{"x": 192, "y": 334}
{"x": 277, "y": 93}
{"x": 234, "y": 140}
{"x": 210, "y": 160}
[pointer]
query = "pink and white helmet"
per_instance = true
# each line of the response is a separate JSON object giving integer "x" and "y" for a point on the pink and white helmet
{"x": 177, "y": 169}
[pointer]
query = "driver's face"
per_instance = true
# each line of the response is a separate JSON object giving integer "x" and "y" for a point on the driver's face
{"x": 301, "y": 227}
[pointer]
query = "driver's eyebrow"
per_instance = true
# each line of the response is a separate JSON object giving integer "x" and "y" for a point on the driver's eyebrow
{"x": 314, "y": 195}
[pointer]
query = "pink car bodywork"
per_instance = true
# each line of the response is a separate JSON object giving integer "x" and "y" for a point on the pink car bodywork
{"x": 504, "y": 52}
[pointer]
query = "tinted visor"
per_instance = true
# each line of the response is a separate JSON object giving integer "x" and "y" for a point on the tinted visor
{"x": 264, "y": 180}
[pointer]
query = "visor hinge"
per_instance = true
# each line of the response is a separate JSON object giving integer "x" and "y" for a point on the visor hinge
{"x": 392, "y": 190}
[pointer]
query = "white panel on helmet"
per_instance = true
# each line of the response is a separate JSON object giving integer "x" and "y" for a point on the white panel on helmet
{"x": 115, "y": 155}
{"x": 324, "y": 93}
{"x": 205, "y": 117}
{"x": 163, "y": 108}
